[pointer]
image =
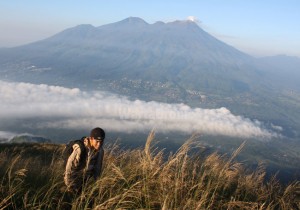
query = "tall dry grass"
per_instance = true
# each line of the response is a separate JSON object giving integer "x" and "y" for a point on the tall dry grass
{"x": 146, "y": 179}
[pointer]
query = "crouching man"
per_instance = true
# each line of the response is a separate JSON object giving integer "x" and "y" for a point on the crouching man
{"x": 85, "y": 160}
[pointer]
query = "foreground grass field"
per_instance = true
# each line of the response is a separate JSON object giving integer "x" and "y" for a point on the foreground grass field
{"x": 31, "y": 177}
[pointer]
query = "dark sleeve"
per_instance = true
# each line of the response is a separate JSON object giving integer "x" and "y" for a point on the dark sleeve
{"x": 98, "y": 166}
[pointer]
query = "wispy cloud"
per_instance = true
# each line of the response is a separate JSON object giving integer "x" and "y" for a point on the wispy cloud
{"x": 60, "y": 107}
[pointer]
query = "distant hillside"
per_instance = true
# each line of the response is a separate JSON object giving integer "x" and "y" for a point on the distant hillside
{"x": 29, "y": 139}
{"x": 284, "y": 70}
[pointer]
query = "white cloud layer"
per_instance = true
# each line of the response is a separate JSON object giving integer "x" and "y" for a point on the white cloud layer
{"x": 60, "y": 107}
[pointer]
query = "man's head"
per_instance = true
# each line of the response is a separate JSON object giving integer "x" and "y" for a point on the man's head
{"x": 97, "y": 137}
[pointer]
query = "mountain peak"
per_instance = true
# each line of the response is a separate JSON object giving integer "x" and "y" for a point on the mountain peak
{"x": 83, "y": 27}
{"x": 133, "y": 21}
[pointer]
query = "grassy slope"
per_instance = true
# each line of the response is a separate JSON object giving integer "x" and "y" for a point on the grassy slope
{"x": 31, "y": 178}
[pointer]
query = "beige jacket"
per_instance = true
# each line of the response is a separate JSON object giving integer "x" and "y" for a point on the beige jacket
{"x": 79, "y": 170}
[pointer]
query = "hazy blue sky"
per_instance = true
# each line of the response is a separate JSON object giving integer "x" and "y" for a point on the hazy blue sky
{"x": 257, "y": 27}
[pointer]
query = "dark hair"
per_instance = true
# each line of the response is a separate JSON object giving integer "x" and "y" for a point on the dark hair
{"x": 98, "y": 133}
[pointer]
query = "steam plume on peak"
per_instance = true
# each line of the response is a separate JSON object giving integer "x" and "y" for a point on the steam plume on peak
{"x": 193, "y": 19}
{"x": 60, "y": 107}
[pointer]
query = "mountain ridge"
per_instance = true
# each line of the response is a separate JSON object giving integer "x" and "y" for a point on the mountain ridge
{"x": 140, "y": 51}
{"x": 179, "y": 52}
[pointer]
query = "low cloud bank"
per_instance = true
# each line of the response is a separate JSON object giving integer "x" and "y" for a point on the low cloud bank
{"x": 60, "y": 107}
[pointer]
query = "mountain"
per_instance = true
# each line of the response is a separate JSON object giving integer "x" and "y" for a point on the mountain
{"x": 178, "y": 52}
{"x": 171, "y": 62}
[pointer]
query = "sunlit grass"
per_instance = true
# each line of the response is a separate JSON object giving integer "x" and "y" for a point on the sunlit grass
{"x": 142, "y": 179}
